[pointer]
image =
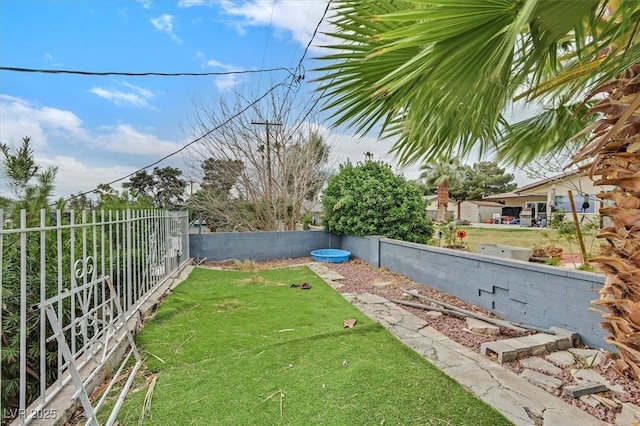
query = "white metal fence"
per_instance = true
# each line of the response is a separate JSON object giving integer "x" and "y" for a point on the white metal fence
{"x": 56, "y": 269}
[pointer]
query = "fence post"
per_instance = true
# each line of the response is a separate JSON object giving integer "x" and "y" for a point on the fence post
{"x": 23, "y": 309}
{"x": 128, "y": 248}
{"x": 374, "y": 250}
{"x": 1, "y": 304}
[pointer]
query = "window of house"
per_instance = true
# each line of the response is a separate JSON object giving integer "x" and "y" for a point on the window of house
{"x": 585, "y": 203}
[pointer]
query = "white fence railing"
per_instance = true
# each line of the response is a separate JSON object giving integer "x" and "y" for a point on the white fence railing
{"x": 55, "y": 272}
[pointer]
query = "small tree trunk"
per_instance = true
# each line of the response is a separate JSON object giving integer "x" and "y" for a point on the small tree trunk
{"x": 443, "y": 201}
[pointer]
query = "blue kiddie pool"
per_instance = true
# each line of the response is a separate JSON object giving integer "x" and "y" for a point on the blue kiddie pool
{"x": 331, "y": 255}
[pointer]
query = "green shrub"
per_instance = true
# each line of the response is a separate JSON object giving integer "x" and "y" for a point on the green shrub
{"x": 369, "y": 199}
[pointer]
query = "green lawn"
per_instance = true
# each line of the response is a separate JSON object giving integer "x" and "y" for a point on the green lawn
{"x": 245, "y": 348}
{"x": 522, "y": 237}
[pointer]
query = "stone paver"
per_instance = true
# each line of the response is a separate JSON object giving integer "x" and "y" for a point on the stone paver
{"x": 521, "y": 347}
{"x": 587, "y": 356}
{"x": 562, "y": 358}
{"x": 547, "y": 382}
{"x": 582, "y": 376}
{"x": 540, "y": 364}
{"x": 520, "y": 401}
{"x": 482, "y": 327}
{"x": 629, "y": 415}
{"x": 324, "y": 272}
{"x": 584, "y": 389}
{"x": 369, "y": 298}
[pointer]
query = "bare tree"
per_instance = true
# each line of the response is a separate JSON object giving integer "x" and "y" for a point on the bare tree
{"x": 555, "y": 165}
{"x": 283, "y": 160}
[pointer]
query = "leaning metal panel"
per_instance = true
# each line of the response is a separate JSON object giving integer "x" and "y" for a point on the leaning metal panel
{"x": 62, "y": 253}
{"x": 100, "y": 326}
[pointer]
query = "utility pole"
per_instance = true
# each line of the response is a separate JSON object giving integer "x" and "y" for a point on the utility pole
{"x": 269, "y": 181}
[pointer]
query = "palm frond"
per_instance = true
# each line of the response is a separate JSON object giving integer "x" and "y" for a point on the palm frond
{"x": 438, "y": 74}
{"x": 550, "y": 132}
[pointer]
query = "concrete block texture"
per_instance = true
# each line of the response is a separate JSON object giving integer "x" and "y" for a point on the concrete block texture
{"x": 505, "y": 252}
{"x": 533, "y": 294}
{"x": 260, "y": 245}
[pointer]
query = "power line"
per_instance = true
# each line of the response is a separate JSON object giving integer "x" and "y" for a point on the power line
{"x": 299, "y": 75}
{"x": 266, "y": 42}
{"x": 142, "y": 74}
{"x": 304, "y": 25}
{"x": 198, "y": 139}
{"x": 295, "y": 75}
{"x": 315, "y": 32}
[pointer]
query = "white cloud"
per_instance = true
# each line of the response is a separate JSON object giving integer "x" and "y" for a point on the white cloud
{"x": 191, "y": 3}
{"x": 224, "y": 82}
{"x": 164, "y": 23}
{"x": 145, "y": 3}
{"x": 59, "y": 136}
{"x": 74, "y": 175}
{"x": 20, "y": 118}
{"x": 136, "y": 96}
{"x": 296, "y": 19}
{"x": 126, "y": 139}
{"x": 353, "y": 148}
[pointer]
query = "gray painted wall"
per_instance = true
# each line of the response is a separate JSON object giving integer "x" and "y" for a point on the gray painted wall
{"x": 259, "y": 245}
{"x": 530, "y": 293}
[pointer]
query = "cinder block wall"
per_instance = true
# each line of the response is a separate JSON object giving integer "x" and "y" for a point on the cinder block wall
{"x": 530, "y": 293}
{"x": 259, "y": 245}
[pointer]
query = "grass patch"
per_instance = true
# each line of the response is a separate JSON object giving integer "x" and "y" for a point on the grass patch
{"x": 228, "y": 352}
{"x": 518, "y": 237}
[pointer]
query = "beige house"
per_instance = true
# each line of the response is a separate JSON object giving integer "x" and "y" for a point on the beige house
{"x": 479, "y": 211}
{"x": 473, "y": 211}
{"x": 541, "y": 199}
{"x": 432, "y": 207}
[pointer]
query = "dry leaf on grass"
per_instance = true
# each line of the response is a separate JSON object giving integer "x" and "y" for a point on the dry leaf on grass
{"x": 349, "y": 323}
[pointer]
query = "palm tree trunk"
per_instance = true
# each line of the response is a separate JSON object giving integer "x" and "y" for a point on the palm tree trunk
{"x": 443, "y": 201}
{"x": 615, "y": 150}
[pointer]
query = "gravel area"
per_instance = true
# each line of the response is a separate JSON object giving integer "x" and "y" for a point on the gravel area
{"x": 361, "y": 278}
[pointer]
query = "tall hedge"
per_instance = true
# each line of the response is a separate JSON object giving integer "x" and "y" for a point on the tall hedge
{"x": 369, "y": 199}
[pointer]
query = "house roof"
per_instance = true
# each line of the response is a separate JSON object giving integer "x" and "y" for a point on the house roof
{"x": 431, "y": 198}
{"x": 518, "y": 192}
{"x": 502, "y": 196}
{"x": 543, "y": 182}
{"x": 486, "y": 203}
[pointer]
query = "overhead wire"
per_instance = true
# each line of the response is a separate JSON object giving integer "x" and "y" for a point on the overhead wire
{"x": 299, "y": 70}
{"x": 306, "y": 19}
{"x": 315, "y": 32}
{"x": 266, "y": 41}
{"x": 143, "y": 74}
{"x": 317, "y": 100}
{"x": 198, "y": 139}
{"x": 295, "y": 75}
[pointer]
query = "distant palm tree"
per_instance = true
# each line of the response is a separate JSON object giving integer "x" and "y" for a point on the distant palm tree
{"x": 438, "y": 76}
{"x": 442, "y": 174}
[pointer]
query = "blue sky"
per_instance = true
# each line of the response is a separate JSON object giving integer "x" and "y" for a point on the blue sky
{"x": 97, "y": 129}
